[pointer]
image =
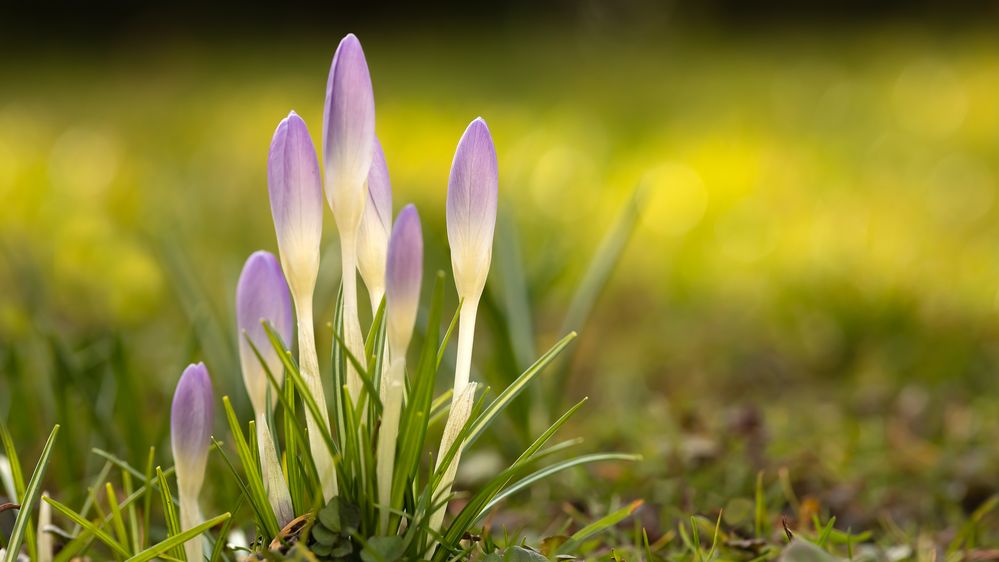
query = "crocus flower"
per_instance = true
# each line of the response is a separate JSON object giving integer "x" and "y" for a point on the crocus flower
{"x": 348, "y": 147}
{"x": 262, "y": 296}
{"x": 403, "y": 273}
{"x": 471, "y": 220}
{"x": 191, "y": 417}
{"x": 471, "y": 209}
{"x": 376, "y": 225}
{"x": 348, "y": 133}
{"x": 297, "y": 208}
{"x": 296, "y": 195}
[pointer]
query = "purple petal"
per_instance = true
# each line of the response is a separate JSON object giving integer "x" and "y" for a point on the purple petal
{"x": 379, "y": 188}
{"x": 403, "y": 273}
{"x": 471, "y": 206}
{"x": 191, "y": 418}
{"x": 261, "y": 295}
{"x": 296, "y": 195}
{"x": 376, "y": 225}
{"x": 348, "y": 121}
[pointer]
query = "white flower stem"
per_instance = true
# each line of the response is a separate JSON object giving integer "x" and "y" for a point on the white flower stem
{"x": 461, "y": 409}
{"x": 466, "y": 335}
{"x": 270, "y": 467}
{"x": 376, "y": 294}
{"x": 351, "y": 323}
{"x": 190, "y": 517}
{"x": 388, "y": 435}
{"x": 44, "y": 541}
{"x": 309, "y": 364}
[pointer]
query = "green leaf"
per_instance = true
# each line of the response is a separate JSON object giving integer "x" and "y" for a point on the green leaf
{"x": 178, "y": 540}
{"x": 599, "y": 526}
{"x": 87, "y": 525}
{"x": 169, "y": 510}
{"x": 383, "y": 549}
{"x": 511, "y": 392}
{"x": 255, "y": 483}
{"x": 547, "y": 471}
{"x": 29, "y": 497}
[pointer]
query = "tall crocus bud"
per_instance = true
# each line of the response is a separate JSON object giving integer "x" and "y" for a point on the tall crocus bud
{"x": 376, "y": 225}
{"x": 348, "y": 147}
{"x": 403, "y": 273}
{"x": 262, "y": 296}
{"x": 471, "y": 220}
{"x": 296, "y": 195}
{"x": 191, "y": 419}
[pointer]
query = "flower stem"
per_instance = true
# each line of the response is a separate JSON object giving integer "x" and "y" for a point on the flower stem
{"x": 309, "y": 363}
{"x": 270, "y": 467}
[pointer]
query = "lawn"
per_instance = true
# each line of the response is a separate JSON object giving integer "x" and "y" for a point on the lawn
{"x": 778, "y": 246}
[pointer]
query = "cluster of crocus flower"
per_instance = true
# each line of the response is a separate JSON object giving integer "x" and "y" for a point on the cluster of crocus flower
{"x": 388, "y": 255}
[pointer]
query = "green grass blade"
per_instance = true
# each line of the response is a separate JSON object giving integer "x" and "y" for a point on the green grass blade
{"x": 28, "y": 499}
{"x": 178, "y": 540}
{"x": 133, "y": 516}
{"x": 447, "y": 334}
{"x": 416, "y": 412}
{"x": 515, "y": 388}
{"x": 169, "y": 511}
{"x": 17, "y": 475}
{"x": 88, "y": 527}
{"x": 219, "y": 545}
{"x": 117, "y": 521}
{"x": 553, "y": 469}
{"x": 598, "y": 526}
{"x": 291, "y": 369}
{"x": 255, "y": 483}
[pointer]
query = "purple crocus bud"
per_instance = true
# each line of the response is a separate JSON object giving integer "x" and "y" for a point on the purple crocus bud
{"x": 376, "y": 225}
{"x": 191, "y": 419}
{"x": 403, "y": 273}
{"x": 348, "y": 133}
{"x": 262, "y": 295}
{"x": 296, "y": 195}
{"x": 471, "y": 209}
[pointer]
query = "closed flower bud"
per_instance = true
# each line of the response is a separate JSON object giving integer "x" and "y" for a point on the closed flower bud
{"x": 471, "y": 209}
{"x": 348, "y": 133}
{"x": 191, "y": 417}
{"x": 262, "y": 296}
{"x": 403, "y": 273}
{"x": 376, "y": 225}
{"x": 296, "y": 195}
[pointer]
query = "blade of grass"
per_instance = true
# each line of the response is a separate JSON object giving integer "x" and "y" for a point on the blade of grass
{"x": 88, "y": 526}
{"x": 28, "y": 499}
{"x": 117, "y": 522}
{"x": 599, "y": 526}
{"x": 176, "y": 541}
{"x": 251, "y": 470}
{"x": 17, "y": 475}
{"x": 511, "y": 392}
{"x": 169, "y": 512}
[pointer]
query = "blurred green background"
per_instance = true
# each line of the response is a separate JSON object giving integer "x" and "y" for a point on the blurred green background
{"x": 812, "y": 285}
